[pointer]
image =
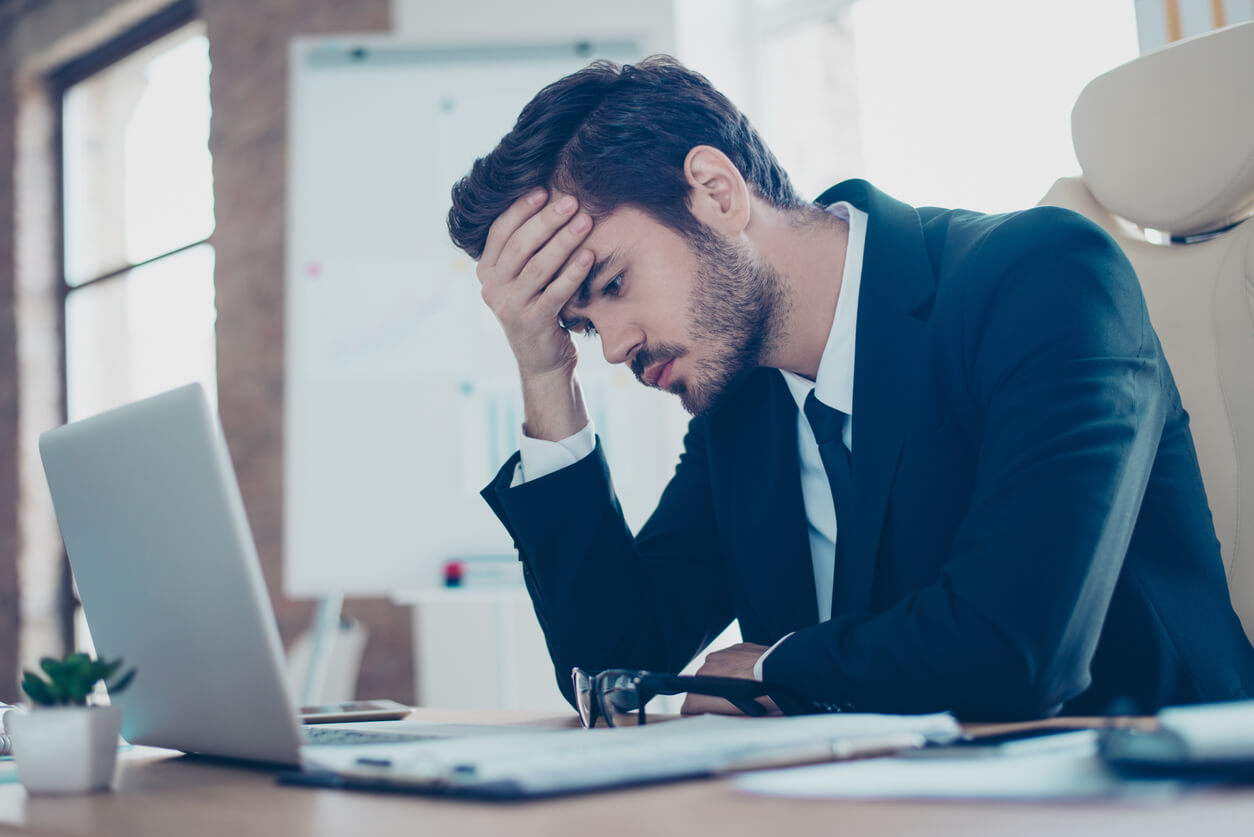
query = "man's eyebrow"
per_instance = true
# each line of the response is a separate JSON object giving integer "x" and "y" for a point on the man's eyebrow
{"x": 585, "y": 288}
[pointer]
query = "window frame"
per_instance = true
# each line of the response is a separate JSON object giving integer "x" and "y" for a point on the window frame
{"x": 57, "y": 83}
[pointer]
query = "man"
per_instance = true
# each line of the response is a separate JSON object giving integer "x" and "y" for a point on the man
{"x": 938, "y": 461}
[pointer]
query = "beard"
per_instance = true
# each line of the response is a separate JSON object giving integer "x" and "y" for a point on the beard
{"x": 736, "y": 308}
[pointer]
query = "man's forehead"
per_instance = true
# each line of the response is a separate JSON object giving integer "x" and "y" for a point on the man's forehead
{"x": 619, "y": 227}
{"x": 615, "y": 236}
{"x": 609, "y": 239}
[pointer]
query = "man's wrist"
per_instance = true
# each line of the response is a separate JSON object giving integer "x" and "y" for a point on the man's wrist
{"x": 553, "y": 407}
{"x": 757, "y": 667}
{"x": 539, "y": 457}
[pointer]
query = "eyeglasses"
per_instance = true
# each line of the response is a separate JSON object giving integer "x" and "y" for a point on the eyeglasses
{"x": 619, "y": 695}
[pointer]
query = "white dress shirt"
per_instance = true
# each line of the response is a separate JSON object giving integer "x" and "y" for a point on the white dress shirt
{"x": 833, "y": 386}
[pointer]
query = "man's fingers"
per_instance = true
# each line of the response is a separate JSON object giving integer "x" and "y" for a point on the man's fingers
{"x": 558, "y": 292}
{"x": 545, "y": 264}
{"x": 534, "y": 233}
{"x": 695, "y": 704}
{"x": 701, "y": 704}
{"x": 508, "y": 222}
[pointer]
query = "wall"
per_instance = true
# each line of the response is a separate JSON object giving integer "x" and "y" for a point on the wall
{"x": 9, "y": 612}
{"x": 494, "y": 21}
{"x": 1160, "y": 22}
{"x": 248, "y": 50}
{"x": 248, "y": 140}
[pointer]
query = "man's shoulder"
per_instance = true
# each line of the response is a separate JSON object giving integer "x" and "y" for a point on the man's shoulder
{"x": 965, "y": 238}
{"x": 977, "y": 255}
{"x": 1038, "y": 230}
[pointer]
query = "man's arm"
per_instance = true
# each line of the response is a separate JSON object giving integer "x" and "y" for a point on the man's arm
{"x": 1059, "y": 358}
{"x": 604, "y": 598}
{"x": 532, "y": 264}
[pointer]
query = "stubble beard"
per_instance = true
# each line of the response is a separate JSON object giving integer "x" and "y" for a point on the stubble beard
{"x": 736, "y": 312}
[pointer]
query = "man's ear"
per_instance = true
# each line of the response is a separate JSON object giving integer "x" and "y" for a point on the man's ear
{"x": 719, "y": 196}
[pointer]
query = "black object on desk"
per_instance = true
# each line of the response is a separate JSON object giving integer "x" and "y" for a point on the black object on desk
{"x": 1162, "y": 754}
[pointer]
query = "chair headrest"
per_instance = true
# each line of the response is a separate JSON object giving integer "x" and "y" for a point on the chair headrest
{"x": 1167, "y": 140}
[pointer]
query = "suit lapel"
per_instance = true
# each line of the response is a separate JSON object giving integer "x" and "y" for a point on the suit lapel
{"x": 773, "y": 549}
{"x": 896, "y": 288}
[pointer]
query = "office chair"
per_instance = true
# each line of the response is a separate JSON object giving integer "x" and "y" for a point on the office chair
{"x": 1166, "y": 143}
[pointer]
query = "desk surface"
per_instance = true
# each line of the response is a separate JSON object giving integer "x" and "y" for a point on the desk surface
{"x": 160, "y": 792}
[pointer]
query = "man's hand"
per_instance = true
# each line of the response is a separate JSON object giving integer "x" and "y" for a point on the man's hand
{"x": 734, "y": 661}
{"x": 531, "y": 266}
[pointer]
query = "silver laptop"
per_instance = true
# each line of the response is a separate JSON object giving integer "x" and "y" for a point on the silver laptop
{"x": 167, "y": 571}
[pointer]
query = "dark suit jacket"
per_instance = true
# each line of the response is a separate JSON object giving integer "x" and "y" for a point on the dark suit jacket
{"x": 1032, "y": 534}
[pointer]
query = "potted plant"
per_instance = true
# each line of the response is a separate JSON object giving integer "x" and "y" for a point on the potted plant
{"x": 64, "y": 745}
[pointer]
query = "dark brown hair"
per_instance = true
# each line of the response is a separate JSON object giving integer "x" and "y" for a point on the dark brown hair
{"x": 615, "y": 135}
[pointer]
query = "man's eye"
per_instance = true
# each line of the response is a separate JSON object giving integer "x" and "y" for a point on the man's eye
{"x": 580, "y": 326}
{"x": 613, "y": 287}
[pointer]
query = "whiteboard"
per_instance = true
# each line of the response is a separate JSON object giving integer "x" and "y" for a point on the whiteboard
{"x": 402, "y": 398}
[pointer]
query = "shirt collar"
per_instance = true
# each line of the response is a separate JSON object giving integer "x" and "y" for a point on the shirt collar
{"x": 834, "y": 383}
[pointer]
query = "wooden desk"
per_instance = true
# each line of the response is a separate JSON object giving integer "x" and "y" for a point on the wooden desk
{"x": 158, "y": 792}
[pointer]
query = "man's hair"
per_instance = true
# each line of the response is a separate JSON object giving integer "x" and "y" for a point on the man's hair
{"x": 613, "y": 136}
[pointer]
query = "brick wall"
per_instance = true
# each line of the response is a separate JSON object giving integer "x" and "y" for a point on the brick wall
{"x": 9, "y": 475}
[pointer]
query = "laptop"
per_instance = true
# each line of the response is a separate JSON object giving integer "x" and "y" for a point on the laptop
{"x": 168, "y": 575}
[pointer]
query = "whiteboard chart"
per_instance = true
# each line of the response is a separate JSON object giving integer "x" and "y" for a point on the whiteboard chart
{"x": 402, "y": 395}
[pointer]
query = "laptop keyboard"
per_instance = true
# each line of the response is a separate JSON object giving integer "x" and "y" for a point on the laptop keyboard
{"x": 321, "y": 736}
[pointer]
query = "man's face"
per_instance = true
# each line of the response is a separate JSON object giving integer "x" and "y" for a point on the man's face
{"x": 690, "y": 317}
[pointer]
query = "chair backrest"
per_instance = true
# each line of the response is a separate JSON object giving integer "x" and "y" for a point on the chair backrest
{"x": 1166, "y": 143}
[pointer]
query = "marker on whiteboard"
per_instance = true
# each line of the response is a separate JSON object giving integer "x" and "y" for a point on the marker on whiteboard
{"x": 454, "y": 572}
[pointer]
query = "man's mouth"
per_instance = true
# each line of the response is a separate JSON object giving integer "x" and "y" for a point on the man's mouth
{"x": 659, "y": 374}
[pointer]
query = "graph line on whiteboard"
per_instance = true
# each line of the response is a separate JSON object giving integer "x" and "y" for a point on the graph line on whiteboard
{"x": 383, "y": 320}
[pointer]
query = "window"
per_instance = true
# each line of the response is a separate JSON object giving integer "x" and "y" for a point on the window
{"x": 138, "y": 212}
{"x": 137, "y": 201}
{"x": 963, "y": 103}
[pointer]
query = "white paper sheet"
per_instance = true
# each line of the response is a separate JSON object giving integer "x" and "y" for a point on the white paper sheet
{"x": 1064, "y": 770}
{"x": 1214, "y": 731}
{"x": 559, "y": 760}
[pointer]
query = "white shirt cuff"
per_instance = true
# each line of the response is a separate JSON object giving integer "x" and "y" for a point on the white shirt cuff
{"x": 757, "y": 667}
{"x": 540, "y": 457}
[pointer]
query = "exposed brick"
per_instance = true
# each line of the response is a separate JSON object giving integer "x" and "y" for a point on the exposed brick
{"x": 10, "y": 615}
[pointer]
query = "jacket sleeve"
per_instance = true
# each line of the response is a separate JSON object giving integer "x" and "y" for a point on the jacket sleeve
{"x": 1058, "y": 360}
{"x": 604, "y": 598}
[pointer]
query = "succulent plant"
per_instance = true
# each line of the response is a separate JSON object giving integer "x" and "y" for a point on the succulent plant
{"x": 70, "y": 680}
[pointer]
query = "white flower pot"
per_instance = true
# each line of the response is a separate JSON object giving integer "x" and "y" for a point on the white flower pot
{"x": 65, "y": 749}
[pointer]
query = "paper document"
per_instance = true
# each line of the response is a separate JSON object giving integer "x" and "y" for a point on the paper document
{"x": 1067, "y": 767}
{"x": 1213, "y": 731}
{"x": 577, "y": 759}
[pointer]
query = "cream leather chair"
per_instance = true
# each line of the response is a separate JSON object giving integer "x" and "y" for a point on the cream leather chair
{"x": 1166, "y": 142}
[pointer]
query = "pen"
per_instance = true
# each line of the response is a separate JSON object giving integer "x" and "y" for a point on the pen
{"x": 839, "y": 749}
{"x": 975, "y": 749}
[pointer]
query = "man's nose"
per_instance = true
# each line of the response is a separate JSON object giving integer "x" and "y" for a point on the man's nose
{"x": 619, "y": 342}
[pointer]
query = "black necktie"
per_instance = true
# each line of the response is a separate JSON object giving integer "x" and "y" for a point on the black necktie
{"x": 828, "y": 425}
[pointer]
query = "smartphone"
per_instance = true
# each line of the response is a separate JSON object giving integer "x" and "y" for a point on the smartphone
{"x": 354, "y": 710}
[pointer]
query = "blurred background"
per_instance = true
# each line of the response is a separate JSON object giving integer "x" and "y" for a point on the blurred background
{"x": 251, "y": 195}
